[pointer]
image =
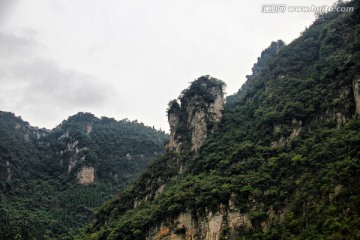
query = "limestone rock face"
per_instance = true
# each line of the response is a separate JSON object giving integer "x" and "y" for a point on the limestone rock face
{"x": 86, "y": 175}
{"x": 173, "y": 119}
{"x": 209, "y": 227}
{"x": 284, "y": 140}
{"x": 198, "y": 129}
{"x": 198, "y": 114}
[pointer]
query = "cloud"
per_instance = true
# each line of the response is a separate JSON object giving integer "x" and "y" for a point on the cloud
{"x": 45, "y": 80}
{"x": 38, "y": 88}
{"x": 6, "y": 8}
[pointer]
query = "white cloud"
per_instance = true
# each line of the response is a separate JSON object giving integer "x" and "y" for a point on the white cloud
{"x": 39, "y": 89}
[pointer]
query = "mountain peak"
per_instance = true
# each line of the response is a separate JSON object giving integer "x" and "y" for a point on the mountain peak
{"x": 197, "y": 115}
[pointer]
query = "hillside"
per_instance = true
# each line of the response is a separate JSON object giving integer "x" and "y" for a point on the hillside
{"x": 279, "y": 160}
{"x": 50, "y": 180}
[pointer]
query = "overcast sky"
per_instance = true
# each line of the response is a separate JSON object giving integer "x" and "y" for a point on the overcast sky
{"x": 128, "y": 58}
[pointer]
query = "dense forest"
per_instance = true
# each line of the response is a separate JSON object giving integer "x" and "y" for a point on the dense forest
{"x": 50, "y": 181}
{"x": 283, "y": 162}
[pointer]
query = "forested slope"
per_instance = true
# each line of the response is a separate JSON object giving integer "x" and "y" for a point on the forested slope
{"x": 283, "y": 162}
{"x": 50, "y": 180}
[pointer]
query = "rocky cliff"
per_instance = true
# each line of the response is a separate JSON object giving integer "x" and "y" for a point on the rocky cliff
{"x": 197, "y": 115}
{"x": 211, "y": 226}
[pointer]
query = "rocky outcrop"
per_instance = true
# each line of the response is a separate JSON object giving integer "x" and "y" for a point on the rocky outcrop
{"x": 89, "y": 128}
{"x": 86, "y": 175}
{"x": 284, "y": 140}
{"x": 173, "y": 144}
{"x": 356, "y": 88}
{"x": 198, "y": 129}
{"x": 75, "y": 157}
{"x": 209, "y": 227}
{"x": 340, "y": 119}
{"x": 198, "y": 114}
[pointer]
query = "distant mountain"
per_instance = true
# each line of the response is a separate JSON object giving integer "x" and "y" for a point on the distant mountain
{"x": 279, "y": 160}
{"x": 51, "y": 179}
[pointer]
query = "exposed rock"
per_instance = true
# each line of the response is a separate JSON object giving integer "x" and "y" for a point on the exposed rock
{"x": 72, "y": 164}
{"x": 137, "y": 203}
{"x": 71, "y": 146}
{"x": 86, "y": 175}
{"x": 73, "y": 161}
{"x": 38, "y": 135}
{"x": 173, "y": 119}
{"x": 236, "y": 220}
{"x": 65, "y": 135}
{"x": 147, "y": 197}
{"x": 200, "y": 119}
{"x": 285, "y": 140}
{"x": 88, "y": 129}
{"x": 212, "y": 226}
{"x": 159, "y": 190}
{"x": 198, "y": 131}
{"x": 209, "y": 227}
{"x": 340, "y": 119}
{"x": 356, "y": 87}
{"x": 271, "y": 216}
{"x": 296, "y": 122}
{"x": 279, "y": 143}
{"x": 295, "y": 133}
{"x": 216, "y": 108}
{"x": 197, "y": 116}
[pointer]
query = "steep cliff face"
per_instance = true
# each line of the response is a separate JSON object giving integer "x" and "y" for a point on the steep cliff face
{"x": 211, "y": 226}
{"x": 191, "y": 122}
{"x": 197, "y": 115}
{"x": 173, "y": 118}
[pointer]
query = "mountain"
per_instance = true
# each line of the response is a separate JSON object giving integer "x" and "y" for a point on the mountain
{"x": 50, "y": 180}
{"x": 278, "y": 160}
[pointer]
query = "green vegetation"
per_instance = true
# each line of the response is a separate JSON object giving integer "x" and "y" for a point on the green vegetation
{"x": 286, "y": 153}
{"x": 40, "y": 197}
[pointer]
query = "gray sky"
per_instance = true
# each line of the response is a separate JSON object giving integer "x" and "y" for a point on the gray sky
{"x": 128, "y": 58}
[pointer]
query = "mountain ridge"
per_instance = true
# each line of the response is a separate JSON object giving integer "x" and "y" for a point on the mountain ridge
{"x": 283, "y": 163}
{"x": 51, "y": 179}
